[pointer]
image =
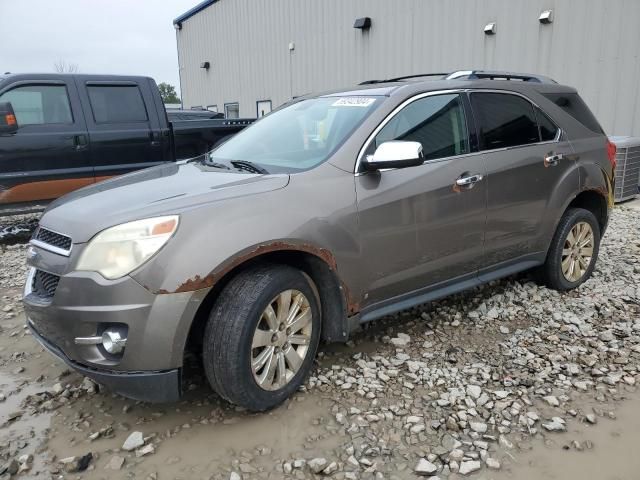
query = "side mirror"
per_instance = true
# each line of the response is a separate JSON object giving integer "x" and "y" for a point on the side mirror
{"x": 8, "y": 122}
{"x": 395, "y": 154}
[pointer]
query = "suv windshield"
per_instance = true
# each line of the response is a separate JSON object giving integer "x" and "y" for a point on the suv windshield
{"x": 297, "y": 137}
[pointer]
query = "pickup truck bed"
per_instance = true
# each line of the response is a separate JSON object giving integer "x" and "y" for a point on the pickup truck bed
{"x": 74, "y": 130}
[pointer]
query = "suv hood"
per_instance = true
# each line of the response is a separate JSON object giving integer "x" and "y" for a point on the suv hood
{"x": 162, "y": 190}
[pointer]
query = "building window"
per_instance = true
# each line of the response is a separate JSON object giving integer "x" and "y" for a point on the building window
{"x": 232, "y": 110}
{"x": 263, "y": 107}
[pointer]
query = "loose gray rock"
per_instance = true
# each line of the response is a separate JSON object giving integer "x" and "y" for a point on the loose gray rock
{"x": 317, "y": 464}
{"x": 556, "y": 424}
{"x": 469, "y": 467}
{"x": 115, "y": 463}
{"x": 478, "y": 427}
{"x": 425, "y": 467}
{"x": 133, "y": 441}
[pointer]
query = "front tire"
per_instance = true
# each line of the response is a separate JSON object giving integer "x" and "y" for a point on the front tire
{"x": 262, "y": 336}
{"x": 573, "y": 251}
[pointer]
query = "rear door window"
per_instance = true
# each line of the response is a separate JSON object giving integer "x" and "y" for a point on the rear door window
{"x": 436, "y": 121}
{"x": 572, "y": 104}
{"x": 40, "y": 104}
{"x": 504, "y": 120}
{"x": 117, "y": 103}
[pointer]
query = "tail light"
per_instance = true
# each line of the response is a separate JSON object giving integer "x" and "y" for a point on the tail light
{"x": 611, "y": 153}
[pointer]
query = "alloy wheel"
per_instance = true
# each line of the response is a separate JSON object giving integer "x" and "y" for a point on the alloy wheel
{"x": 577, "y": 251}
{"x": 281, "y": 340}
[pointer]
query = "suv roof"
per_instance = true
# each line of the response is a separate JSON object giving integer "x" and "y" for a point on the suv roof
{"x": 462, "y": 79}
{"x": 470, "y": 75}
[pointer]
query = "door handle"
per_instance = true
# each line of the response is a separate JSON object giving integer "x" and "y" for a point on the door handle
{"x": 469, "y": 180}
{"x": 552, "y": 160}
{"x": 80, "y": 141}
{"x": 155, "y": 138}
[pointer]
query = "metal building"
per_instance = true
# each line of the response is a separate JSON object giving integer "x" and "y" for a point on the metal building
{"x": 246, "y": 56}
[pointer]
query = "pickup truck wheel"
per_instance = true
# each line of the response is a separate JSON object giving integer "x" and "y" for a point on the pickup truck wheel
{"x": 262, "y": 336}
{"x": 574, "y": 250}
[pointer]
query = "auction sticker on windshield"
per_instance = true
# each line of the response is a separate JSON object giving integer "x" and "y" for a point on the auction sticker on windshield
{"x": 353, "y": 102}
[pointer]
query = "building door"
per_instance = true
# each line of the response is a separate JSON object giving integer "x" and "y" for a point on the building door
{"x": 263, "y": 107}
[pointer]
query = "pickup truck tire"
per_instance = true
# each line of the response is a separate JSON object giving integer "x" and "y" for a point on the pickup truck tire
{"x": 262, "y": 336}
{"x": 573, "y": 252}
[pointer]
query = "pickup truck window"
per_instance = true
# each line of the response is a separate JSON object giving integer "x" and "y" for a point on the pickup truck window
{"x": 39, "y": 104}
{"x": 117, "y": 104}
{"x": 297, "y": 137}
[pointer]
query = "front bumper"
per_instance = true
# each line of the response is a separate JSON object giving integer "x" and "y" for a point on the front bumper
{"x": 144, "y": 386}
{"x": 84, "y": 304}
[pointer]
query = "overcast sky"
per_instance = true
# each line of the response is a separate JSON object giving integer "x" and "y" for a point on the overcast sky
{"x": 100, "y": 36}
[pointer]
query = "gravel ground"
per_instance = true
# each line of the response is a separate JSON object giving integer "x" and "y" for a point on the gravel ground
{"x": 17, "y": 228}
{"x": 466, "y": 387}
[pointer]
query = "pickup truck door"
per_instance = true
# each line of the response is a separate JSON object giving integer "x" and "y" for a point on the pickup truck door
{"x": 48, "y": 155}
{"x": 120, "y": 116}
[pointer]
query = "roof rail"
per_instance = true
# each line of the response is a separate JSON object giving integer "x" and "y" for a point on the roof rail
{"x": 406, "y": 77}
{"x": 497, "y": 75}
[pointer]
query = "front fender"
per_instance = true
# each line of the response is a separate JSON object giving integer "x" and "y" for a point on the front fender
{"x": 207, "y": 281}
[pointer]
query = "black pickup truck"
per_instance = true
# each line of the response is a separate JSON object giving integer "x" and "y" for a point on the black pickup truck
{"x": 60, "y": 132}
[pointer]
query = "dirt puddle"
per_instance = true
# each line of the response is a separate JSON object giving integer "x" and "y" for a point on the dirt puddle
{"x": 614, "y": 455}
{"x": 195, "y": 438}
{"x": 24, "y": 433}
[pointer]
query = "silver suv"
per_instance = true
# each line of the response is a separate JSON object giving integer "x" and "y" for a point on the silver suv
{"x": 330, "y": 212}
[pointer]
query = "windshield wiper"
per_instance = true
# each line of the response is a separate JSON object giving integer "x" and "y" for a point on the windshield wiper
{"x": 248, "y": 166}
{"x": 203, "y": 159}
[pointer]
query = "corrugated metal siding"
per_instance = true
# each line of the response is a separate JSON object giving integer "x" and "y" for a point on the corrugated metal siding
{"x": 593, "y": 45}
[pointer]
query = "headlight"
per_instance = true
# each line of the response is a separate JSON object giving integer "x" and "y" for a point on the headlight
{"x": 119, "y": 250}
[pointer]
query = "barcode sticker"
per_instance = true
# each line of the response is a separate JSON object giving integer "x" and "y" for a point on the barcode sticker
{"x": 353, "y": 102}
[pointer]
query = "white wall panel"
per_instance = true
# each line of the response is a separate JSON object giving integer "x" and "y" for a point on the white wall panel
{"x": 593, "y": 45}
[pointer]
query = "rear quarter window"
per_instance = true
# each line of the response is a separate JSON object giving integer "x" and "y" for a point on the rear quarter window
{"x": 572, "y": 104}
{"x": 548, "y": 129}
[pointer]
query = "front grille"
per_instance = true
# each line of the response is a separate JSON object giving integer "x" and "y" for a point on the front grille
{"x": 52, "y": 238}
{"x": 44, "y": 284}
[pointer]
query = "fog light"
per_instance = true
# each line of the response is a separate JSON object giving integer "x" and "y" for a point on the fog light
{"x": 113, "y": 342}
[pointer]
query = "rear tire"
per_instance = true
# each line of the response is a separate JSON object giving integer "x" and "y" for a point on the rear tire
{"x": 573, "y": 251}
{"x": 262, "y": 337}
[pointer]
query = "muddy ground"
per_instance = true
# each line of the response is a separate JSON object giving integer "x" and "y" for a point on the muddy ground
{"x": 510, "y": 380}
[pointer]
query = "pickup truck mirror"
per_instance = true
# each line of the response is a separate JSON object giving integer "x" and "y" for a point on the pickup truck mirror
{"x": 395, "y": 154}
{"x": 8, "y": 122}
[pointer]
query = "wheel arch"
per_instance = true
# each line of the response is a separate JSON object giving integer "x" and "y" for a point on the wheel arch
{"x": 594, "y": 201}
{"x": 318, "y": 264}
